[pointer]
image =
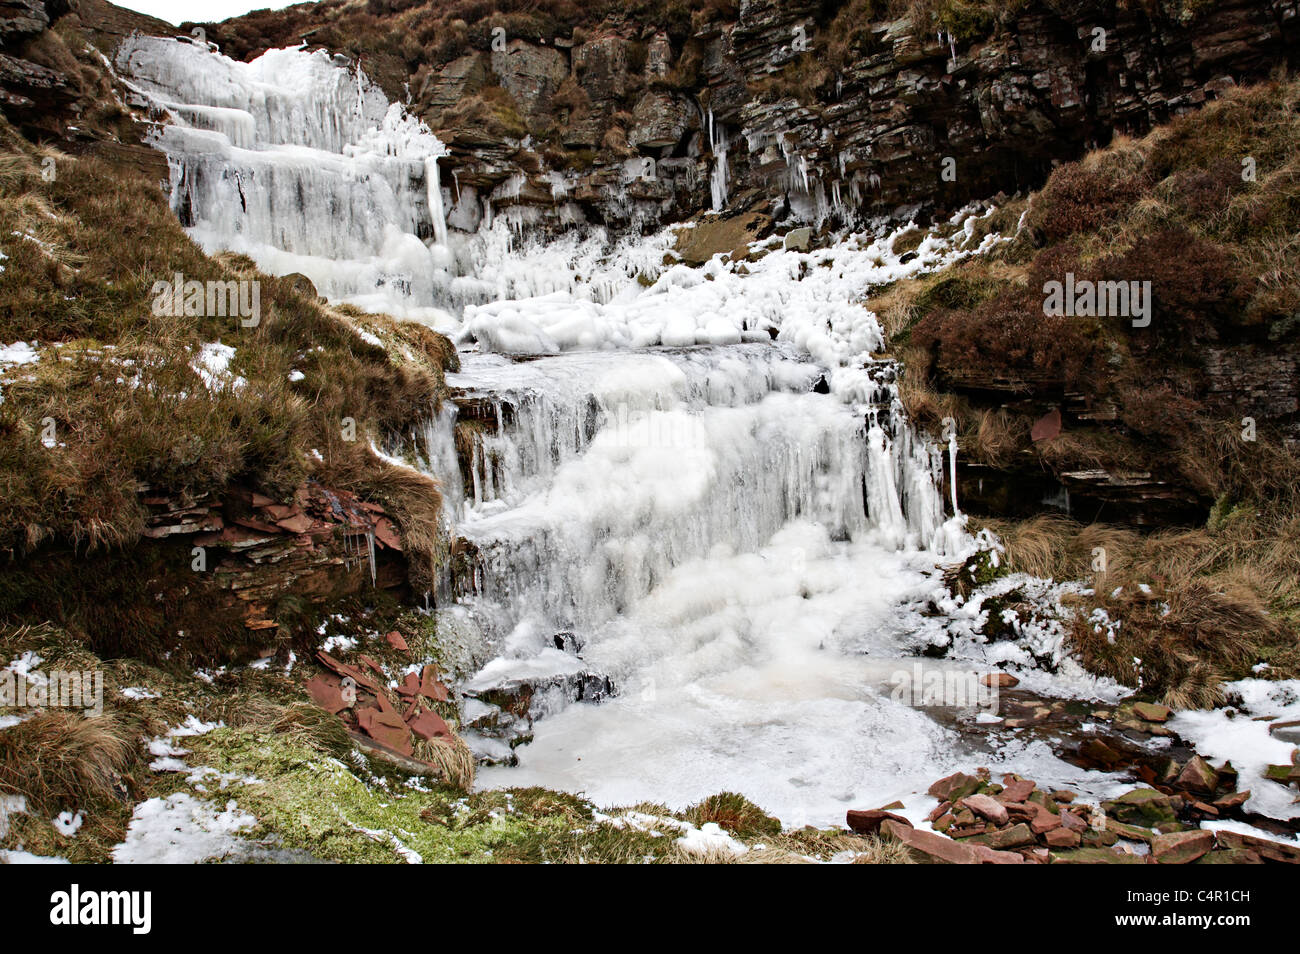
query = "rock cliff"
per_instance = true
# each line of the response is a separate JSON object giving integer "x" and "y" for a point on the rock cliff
{"x": 829, "y": 112}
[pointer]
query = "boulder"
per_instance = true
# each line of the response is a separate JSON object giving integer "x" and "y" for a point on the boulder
{"x": 1016, "y": 790}
{"x": 1062, "y": 838}
{"x": 1143, "y": 806}
{"x": 1131, "y": 832}
{"x": 1232, "y": 802}
{"x": 714, "y": 236}
{"x": 955, "y": 786}
{"x": 1152, "y": 711}
{"x": 1182, "y": 847}
{"x": 929, "y": 848}
{"x": 869, "y": 822}
{"x": 1198, "y": 776}
{"x": 1043, "y": 820}
{"x": 303, "y": 285}
{"x": 798, "y": 240}
{"x": 1014, "y": 837}
{"x": 987, "y": 807}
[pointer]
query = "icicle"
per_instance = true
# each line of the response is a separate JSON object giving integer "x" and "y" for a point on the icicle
{"x": 370, "y": 547}
{"x": 718, "y": 178}
{"x": 433, "y": 183}
{"x": 952, "y": 472}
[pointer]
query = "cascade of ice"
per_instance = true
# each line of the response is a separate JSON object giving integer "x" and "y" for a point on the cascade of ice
{"x": 717, "y": 532}
{"x": 603, "y": 472}
{"x": 301, "y": 163}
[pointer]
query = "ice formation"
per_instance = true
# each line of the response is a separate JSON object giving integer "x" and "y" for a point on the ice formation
{"x": 301, "y": 164}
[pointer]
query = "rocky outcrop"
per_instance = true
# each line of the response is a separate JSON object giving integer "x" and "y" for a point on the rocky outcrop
{"x": 20, "y": 19}
{"x": 979, "y": 821}
{"x": 52, "y": 85}
{"x": 28, "y": 87}
{"x": 822, "y": 112}
{"x": 322, "y": 546}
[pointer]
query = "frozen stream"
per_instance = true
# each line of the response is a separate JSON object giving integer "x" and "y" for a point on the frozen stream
{"x": 742, "y": 556}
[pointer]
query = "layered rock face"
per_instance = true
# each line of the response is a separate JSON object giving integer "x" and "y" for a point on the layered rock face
{"x": 47, "y": 93}
{"x": 26, "y": 85}
{"x": 826, "y": 112}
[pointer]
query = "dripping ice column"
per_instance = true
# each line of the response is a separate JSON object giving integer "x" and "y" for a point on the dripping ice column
{"x": 718, "y": 178}
{"x": 952, "y": 472}
{"x": 433, "y": 182}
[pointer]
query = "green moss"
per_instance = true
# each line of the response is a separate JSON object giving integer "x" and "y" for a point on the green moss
{"x": 958, "y": 290}
{"x": 308, "y": 802}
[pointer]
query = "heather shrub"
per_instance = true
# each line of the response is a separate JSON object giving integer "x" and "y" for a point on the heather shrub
{"x": 1008, "y": 342}
{"x": 1081, "y": 197}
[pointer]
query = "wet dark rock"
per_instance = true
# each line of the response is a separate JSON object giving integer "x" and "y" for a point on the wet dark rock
{"x": 1006, "y": 104}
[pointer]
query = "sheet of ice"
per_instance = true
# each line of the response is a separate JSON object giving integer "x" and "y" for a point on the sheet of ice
{"x": 810, "y": 299}
{"x": 1233, "y": 734}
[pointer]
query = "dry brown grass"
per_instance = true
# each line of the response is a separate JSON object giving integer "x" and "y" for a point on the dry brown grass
{"x": 1196, "y": 607}
{"x": 926, "y": 405}
{"x": 1053, "y": 546}
{"x": 454, "y": 760}
{"x": 59, "y": 760}
{"x": 896, "y": 307}
{"x": 997, "y": 438}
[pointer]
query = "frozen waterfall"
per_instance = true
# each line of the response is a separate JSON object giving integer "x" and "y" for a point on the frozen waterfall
{"x": 690, "y": 493}
{"x": 300, "y": 163}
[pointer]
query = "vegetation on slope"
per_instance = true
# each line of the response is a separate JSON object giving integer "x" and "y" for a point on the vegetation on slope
{"x": 1181, "y": 209}
{"x": 290, "y": 765}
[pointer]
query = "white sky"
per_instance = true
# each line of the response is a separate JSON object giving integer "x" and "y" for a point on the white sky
{"x": 200, "y": 11}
